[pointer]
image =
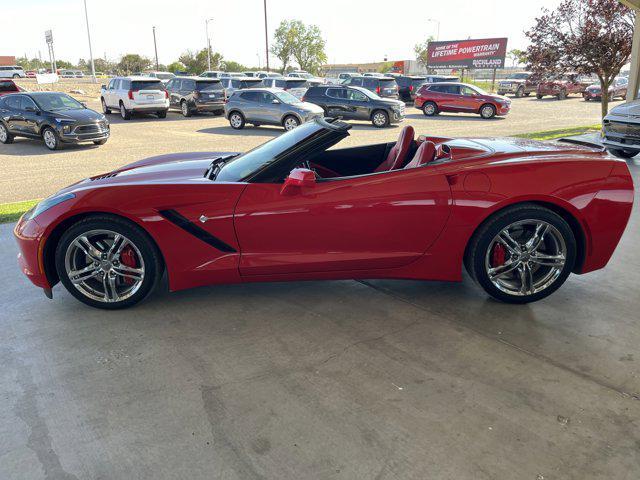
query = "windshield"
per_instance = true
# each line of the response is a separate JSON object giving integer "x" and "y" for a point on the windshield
{"x": 520, "y": 76}
{"x": 252, "y": 161}
{"x": 295, "y": 83}
{"x": 56, "y": 101}
{"x": 286, "y": 97}
{"x": 478, "y": 90}
{"x": 145, "y": 85}
{"x": 208, "y": 85}
{"x": 164, "y": 76}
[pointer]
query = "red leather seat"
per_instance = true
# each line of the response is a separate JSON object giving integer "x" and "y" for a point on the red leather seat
{"x": 426, "y": 152}
{"x": 399, "y": 153}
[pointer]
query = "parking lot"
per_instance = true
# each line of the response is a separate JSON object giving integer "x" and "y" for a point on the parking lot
{"x": 31, "y": 171}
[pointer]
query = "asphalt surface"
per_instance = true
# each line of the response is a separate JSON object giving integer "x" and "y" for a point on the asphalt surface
{"x": 30, "y": 171}
{"x": 325, "y": 380}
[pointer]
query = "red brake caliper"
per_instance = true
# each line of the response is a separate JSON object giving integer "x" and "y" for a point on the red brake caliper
{"x": 128, "y": 258}
{"x": 498, "y": 255}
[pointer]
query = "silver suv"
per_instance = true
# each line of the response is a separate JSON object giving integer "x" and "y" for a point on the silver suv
{"x": 268, "y": 106}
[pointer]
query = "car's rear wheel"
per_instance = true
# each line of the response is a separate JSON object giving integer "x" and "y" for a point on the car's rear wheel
{"x": 50, "y": 137}
{"x": 623, "y": 153}
{"x": 5, "y": 136}
{"x": 184, "y": 108}
{"x": 15, "y": 75}
{"x": 161, "y": 113}
{"x": 380, "y": 118}
{"x": 487, "y": 111}
{"x": 236, "y": 120}
{"x": 430, "y": 109}
{"x": 562, "y": 95}
{"x": 526, "y": 94}
{"x": 289, "y": 123}
{"x": 124, "y": 113}
{"x": 522, "y": 254}
{"x": 106, "y": 110}
{"x": 539, "y": 96}
{"x": 107, "y": 262}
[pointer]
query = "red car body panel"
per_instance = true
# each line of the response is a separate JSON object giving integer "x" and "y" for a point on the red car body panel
{"x": 460, "y": 103}
{"x": 566, "y": 85}
{"x": 413, "y": 223}
{"x": 8, "y": 86}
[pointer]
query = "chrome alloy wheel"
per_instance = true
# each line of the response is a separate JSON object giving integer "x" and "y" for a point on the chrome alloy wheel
{"x": 429, "y": 109}
{"x": 487, "y": 111}
{"x": 526, "y": 257}
{"x": 235, "y": 120}
{"x": 104, "y": 265}
{"x": 50, "y": 139}
{"x": 379, "y": 119}
{"x": 185, "y": 109}
{"x": 3, "y": 133}
{"x": 290, "y": 123}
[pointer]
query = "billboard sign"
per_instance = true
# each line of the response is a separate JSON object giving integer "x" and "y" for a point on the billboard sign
{"x": 48, "y": 36}
{"x": 478, "y": 53}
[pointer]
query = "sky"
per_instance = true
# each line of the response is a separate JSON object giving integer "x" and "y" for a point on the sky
{"x": 356, "y": 31}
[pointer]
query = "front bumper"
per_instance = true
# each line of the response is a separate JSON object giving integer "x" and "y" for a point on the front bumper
{"x": 90, "y": 132}
{"x": 621, "y": 134}
{"x": 30, "y": 238}
{"x": 503, "y": 109}
{"x": 591, "y": 95}
{"x": 508, "y": 88}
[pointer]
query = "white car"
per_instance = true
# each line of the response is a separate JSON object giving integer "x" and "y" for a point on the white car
{"x": 165, "y": 77}
{"x": 311, "y": 80}
{"x": 135, "y": 94}
{"x": 14, "y": 71}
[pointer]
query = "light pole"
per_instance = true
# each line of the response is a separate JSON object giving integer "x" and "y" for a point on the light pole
{"x": 437, "y": 22}
{"x": 155, "y": 47}
{"x": 266, "y": 36}
{"x": 93, "y": 68}
{"x": 206, "y": 27}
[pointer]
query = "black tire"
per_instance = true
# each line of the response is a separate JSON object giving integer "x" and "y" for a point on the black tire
{"x": 100, "y": 142}
{"x": 538, "y": 96}
{"x": 290, "y": 122}
{"x": 5, "y": 136}
{"x": 430, "y": 109}
{"x": 124, "y": 113}
{"x": 479, "y": 245}
{"x": 236, "y": 120}
{"x": 487, "y": 111}
{"x": 184, "y": 108}
{"x": 153, "y": 264}
{"x": 15, "y": 75}
{"x": 161, "y": 113}
{"x": 106, "y": 110}
{"x": 520, "y": 92}
{"x": 562, "y": 95}
{"x": 50, "y": 138}
{"x": 380, "y": 119}
{"x": 526, "y": 94}
{"x": 623, "y": 153}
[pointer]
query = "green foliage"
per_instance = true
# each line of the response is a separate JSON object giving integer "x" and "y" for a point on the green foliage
{"x": 64, "y": 64}
{"x": 175, "y": 67}
{"x": 11, "y": 212}
{"x": 132, "y": 62}
{"x": 517, "y": 57}
{"x": 564, "y": 132}
{"x": 421, "y": 50}
{"x": 196, "y": 62}
{"x": 231, "y": 66}
{"x": 293, "y": 40}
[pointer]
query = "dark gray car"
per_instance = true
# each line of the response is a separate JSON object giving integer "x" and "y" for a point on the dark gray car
{"x": 356, "y": 103}
{"x": 196, "y": 94}
{"x": 268, "y": 106}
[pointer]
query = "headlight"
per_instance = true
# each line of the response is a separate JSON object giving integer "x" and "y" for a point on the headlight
{"x": 48, "y": 203}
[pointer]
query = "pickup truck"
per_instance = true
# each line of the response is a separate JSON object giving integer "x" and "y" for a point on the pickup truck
{"x": 519, "y": 84}
{"x": 561, "y": 86}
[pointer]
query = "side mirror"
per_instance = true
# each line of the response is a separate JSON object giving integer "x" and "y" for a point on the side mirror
{"x": 275, "y": 101}
{"x": 103, "y": 87}
{"x": 31, "y": 109}
{"x": 298, "y": 179}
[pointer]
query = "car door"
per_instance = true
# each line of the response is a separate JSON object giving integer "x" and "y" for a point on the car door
{"x": 367, "y": 222}
{"x": 14, "y": 118}
{"x": 449, "y": 100}
{"x": 468, "y": 100}
{"x": 113, "y": 100}
{"x": 358, "y": 104}
{"x": 336, "y": 103}
{"x": 30, "y": 115}
{"x": 268, "y": 111}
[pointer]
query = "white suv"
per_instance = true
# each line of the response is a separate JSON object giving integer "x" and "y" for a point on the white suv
{"x": 135, "y": 94}
{"x": 14, "y": 71}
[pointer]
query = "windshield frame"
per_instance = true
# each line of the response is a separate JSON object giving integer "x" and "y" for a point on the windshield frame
{"x": 36, "y": 98}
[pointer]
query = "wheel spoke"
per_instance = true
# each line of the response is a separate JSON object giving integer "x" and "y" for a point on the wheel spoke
{"x": 88, "y": 248}
{"x": 502, "y": 270}
{"x": 118, "y": 244}
{"x": 129, "y": 272}
{"x": 526, "y": 279}
{"x": 84, "y": 274}
{"x": 508, "y": 241}
{"x": 536, "y": 240}
{"x": 548, "y": 260}
{"x": 110, "y": 291}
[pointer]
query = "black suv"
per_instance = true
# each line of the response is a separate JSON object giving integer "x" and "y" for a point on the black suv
{"x": 408, "y": 85}
{"x": 385, "y": 87}
{"x": 355, "y": 103}
{"x": 196, "y": 94}
{"x": 53, "y": 117}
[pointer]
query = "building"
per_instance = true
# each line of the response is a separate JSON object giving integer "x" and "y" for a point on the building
{"x": 7, "y": 61}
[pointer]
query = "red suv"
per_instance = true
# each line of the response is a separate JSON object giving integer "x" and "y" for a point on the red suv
{"x": 8, "y": 86}
{"x": 460, "y": 97}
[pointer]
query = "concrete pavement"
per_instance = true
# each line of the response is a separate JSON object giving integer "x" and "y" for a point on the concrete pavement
{"x": 323, "y": 380}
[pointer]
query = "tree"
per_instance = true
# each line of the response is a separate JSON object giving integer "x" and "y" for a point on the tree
{"x": 132, "y": 62}
{"x": 175, "y": 67}
{"x": 196, "y": 62}
{"x": 231, "y": 66}
{"x": 293, "y": 40}
{"x": 422, "y": 52}
{"x": 517, "y": 57}
{"x": 586, "y": 36}
{"x": 104, "y": 66}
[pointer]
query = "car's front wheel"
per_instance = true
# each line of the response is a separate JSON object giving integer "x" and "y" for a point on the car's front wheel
{"x": 124, "y": 113}
{"x": 100, "y": 142}
{"x": 520, "y": 92}
{"x": 522, "y": 254}
{"x": 161, "y": 114}
{"x": 107, "y": 262}
{"x": 380, "y": 119}
{"x": 430, "y": 109}
{"x": 5, "y": 136}
{"x": 289, "y": 123}
{"x": 623, "y": 153}
{"x": 50, "y": 137}
{"x": 184, "y": 108}
{"x": 488, "y": 111}
{"x": 106, "y": 110}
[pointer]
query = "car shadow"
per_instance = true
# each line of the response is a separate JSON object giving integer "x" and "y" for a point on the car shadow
{"x": 249, "y": 130}
{"x": 32, "y": 146}
{"x": 172, "y": 116}
{"x": 454, "y": 117}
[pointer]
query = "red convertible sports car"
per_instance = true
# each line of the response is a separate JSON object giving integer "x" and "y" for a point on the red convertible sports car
{"x": 520, "y": 215}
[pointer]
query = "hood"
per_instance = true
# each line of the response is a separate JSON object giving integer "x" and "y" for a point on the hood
{"x": 513, "y": 80}
{"x": 631, "y": 108}
{"x": 501, "y": 98}
{"x": 391, "y": 102}
{"x": 79, "y": 115}
{"x": 172, "y": 168}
